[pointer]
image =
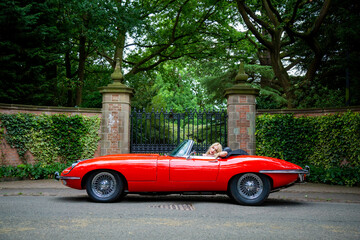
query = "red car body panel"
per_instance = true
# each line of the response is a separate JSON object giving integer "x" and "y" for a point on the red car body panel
{"x": 155, "y": 173}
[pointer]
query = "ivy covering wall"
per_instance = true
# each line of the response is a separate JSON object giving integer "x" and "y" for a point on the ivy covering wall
{"x": 329, "y": 144}
{"x": 53, "y": 140}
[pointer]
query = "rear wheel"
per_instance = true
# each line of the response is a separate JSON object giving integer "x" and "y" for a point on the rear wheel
{"x": 250, "y": 188}
{"x": 104, "y": 186}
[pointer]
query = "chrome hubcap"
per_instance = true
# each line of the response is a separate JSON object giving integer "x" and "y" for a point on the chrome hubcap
{"x": 104, "y": 185}
{"x": 250, "y": 186}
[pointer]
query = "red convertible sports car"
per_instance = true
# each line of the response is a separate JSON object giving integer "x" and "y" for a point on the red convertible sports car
{"x": 247, "y": 179}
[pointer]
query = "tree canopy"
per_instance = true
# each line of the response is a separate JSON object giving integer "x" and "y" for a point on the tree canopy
{"x": 180, "y": 53}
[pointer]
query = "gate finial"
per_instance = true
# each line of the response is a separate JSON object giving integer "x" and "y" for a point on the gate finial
{"x": 241, "y": 76}
{"x": 117, "y": 76}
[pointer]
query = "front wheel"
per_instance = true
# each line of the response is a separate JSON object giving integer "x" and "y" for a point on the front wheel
{"x": 250, "y": 188}
{"x": 104, "y": 186}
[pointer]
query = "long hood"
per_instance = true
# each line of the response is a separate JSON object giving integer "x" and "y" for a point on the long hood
{"x": 118, "y": 160}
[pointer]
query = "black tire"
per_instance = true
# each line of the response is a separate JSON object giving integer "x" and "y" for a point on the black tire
{"x": 250, "y": 188}
{"x": 104, "y": 186}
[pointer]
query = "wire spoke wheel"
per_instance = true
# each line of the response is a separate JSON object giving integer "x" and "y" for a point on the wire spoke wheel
{"x": 250, "y": 186}
{"x": 104, "y": 186}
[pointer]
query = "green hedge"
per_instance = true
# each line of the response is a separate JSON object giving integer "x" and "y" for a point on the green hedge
{"x": 329, "y": 144}
{"x": 51, "y": 138}
{"x": 32, "y": 171}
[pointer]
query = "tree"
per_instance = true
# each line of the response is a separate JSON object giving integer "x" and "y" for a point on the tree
{"x": 278, "y": 25}
{"x": 339, "y": 71}
{"x": 162, "y": 31}
{"x": 176, "y": 88}
{"x": 84, "y": 25}
{"x": 28, "y": 53}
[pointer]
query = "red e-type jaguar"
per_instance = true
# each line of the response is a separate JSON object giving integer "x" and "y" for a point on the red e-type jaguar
{"x": 247, "y": 179}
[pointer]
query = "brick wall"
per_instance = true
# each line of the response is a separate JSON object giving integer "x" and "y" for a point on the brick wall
{"x": 9, "y": 156}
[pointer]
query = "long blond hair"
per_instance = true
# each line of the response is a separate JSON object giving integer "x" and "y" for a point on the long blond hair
{"x": 213, "y": 145}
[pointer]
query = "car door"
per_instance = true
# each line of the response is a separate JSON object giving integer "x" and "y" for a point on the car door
{"x": 195, "y": 168}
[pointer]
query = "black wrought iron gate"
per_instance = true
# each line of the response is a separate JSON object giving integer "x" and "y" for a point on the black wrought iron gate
{"x": 161, "y": 131}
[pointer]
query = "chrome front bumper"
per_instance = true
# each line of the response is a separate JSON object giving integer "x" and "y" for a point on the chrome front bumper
{"x": 58, "y": 177}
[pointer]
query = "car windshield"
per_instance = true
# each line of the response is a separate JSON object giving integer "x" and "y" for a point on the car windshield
{"x": 182, "y": 149}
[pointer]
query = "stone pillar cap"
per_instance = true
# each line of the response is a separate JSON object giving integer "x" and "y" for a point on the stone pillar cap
{"x": 241, "y": 89}
{"x": 117, "y": 86}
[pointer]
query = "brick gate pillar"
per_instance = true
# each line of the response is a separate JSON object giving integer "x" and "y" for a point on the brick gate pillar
{"x": 115, "y": 125}
{"x": 241, "y": 108}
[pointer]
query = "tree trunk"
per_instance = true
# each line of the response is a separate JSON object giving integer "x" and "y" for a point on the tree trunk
{"x": 70, "y": 100}
{"x": 315, "y": 63}
{"x": 279, "y": 69}
{"x": 119, "y": 49}
{"x": 81, "y": 70}
{"x": 265, "y": 60}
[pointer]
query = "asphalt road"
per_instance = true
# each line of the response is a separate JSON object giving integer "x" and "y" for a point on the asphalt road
{"x": 73, "y": 216}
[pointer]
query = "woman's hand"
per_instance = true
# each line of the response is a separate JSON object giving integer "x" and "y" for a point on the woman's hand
{"x": 221, "y": 154}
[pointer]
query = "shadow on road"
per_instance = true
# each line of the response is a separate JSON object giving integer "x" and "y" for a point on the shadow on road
{"x": 174, "y": 198}
{"x": 282, "y": 202}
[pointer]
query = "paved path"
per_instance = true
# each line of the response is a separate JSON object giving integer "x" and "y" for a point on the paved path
{"x": 302, "y": 192}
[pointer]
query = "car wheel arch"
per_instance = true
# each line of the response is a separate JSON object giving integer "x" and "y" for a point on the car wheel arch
{"x": 88, "y": 174}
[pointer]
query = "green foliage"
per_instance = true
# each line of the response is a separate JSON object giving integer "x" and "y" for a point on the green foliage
{"x": 338, "y": 141}
{"x": 319, "y": 96}
{"x": 18, "y": 131}
{"x": 29, "y": 48}
{"x": 270, "y": 99}
{"x": 28, "y": 171}
{"x": 330, "y": 144}
{"x": 176, "y": 90}
{"x": 52, "y": 138}
{"x": 349, "y": 176}
{"x": 285, "y": 137}
{"x": 339, "y": 38}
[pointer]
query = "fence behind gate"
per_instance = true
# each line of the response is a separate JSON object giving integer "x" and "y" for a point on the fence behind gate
{"x": 161, "y": 131}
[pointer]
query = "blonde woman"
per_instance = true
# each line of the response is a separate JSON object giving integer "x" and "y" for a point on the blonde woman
{"x": 215, "y": 150}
